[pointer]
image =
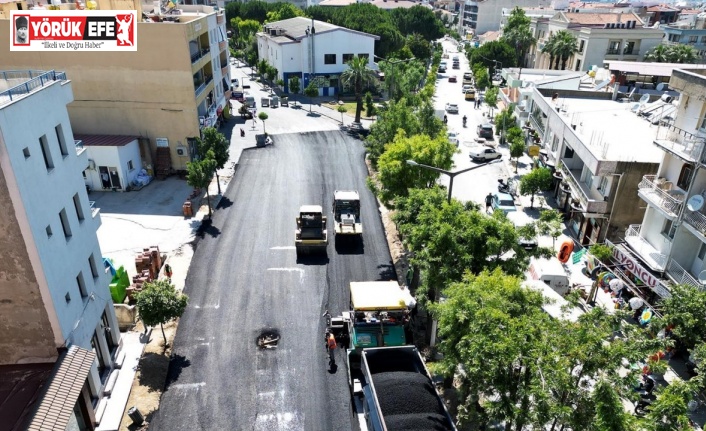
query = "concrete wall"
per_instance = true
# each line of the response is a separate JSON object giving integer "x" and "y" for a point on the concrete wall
{"x": 126, "y": 315}
{"x": 626, "y": 206}
{"x": 148, "y": 93}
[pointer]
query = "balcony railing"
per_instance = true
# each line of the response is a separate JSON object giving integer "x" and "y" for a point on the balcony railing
{"x": 224, "y": 71}
{"x": 612, "y": 51}
{"x": 659, "y": 193}
{"x": 581, "y": 191}
{"x": 200, "y": 89}
{"x": 198, "y": 55}
{"x": 648, "y": 253}
{"x": 30, "y": 80}
{"x": 79, "y": 146}
{"x": 697, "y": 220}
{"x": 680, "y": 275}
{"x": 682, "y": 143}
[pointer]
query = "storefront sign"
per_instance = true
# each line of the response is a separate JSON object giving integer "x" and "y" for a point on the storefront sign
{"x": 629, "y": 264}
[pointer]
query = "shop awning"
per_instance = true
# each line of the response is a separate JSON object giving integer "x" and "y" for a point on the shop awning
{"x": 57, "y": 402}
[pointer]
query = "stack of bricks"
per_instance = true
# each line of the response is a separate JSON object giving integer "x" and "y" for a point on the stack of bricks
{"x": 148, "y": 264}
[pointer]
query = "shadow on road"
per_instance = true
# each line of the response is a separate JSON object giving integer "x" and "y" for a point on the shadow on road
{"x": 313, "y": 259}
{"x": 349, "y": 244}
{"x": 224, "y": 203}
{"x": 151, "y": 367}
{"x": 387, "y": 272}
{"x": 207, "y": 228}
{"x": 176, "y": 364}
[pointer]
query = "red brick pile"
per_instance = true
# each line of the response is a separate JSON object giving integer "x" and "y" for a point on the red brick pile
{"x": 148, "y": 264}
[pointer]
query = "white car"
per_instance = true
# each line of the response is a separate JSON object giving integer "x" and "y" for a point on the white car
{"x": 453, "y": 137}
{"x": 466, "y": 87}
{"x": 484, "y": 153}
{"x": 520, "y": 219}
{"x": 452, "y": 108}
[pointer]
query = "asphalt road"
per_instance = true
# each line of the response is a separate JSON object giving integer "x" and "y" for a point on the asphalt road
{"x": 245, "y": 279}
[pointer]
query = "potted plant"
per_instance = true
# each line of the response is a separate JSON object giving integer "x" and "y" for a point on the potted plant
{"x": 601, "y": 252}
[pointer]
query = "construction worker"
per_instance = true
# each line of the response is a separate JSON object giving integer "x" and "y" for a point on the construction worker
{"x": 331, "y": 347}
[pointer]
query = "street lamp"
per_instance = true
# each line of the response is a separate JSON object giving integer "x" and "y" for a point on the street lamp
{"x": 450, "y": 174}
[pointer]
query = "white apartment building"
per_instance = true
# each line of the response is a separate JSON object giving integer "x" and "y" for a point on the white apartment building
{"x": 313, "y": 51}
{"x": 671, "y": 238}
{"x": 479, "y": 16}
{"x": 601, "y": 37}
{"x": 601, "y": 151}
{"x": 54, "y": 290}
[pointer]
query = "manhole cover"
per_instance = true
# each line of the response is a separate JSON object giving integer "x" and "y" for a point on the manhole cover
{"x": 268, "y": 340}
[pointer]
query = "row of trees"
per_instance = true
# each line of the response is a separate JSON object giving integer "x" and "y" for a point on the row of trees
{"x": 212, "y": 153}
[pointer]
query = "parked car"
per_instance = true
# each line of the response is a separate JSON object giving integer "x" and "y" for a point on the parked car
{"x": 442, "y": 69}
{"x": 234, "y": 82}
{"x": 453, "y": 137}
{"x": 469, "y": 94}
{"x": 455, "y": 58}
{"x": 485, "y": 131}
{"x": 484, "y": 153}
{"x": 452, "y": 108}
{"x": 468, "y": 76}
{"x": 452, "y": 78}
{"x": 521, "y": 219}
{"x": 504, "y": 202}
{"x": 466, "y": 87}
{"x": 456, "y": 65}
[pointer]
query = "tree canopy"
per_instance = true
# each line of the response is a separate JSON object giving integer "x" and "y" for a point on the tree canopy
{"x": 517, "y": 34}
{"x": 219, "y": 146}
{"x": 159, "y": 303}
{"x": 493, "y": 54}
{"x": 672, "y": 54}
{"x": 537, "y": 181}
{"x": 358, "y": 76}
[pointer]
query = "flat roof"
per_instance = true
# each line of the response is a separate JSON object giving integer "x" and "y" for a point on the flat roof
{"x": 651, "y": 69}
{"x": 20, "y": 388}
{"x": 379, "y": 295}
{"x": 105, "y": 140}
{"x": 610, "y": 126}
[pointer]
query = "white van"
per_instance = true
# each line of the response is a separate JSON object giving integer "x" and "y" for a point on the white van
{"x": 551, "y": 272}
{"x": 555, "y": 306}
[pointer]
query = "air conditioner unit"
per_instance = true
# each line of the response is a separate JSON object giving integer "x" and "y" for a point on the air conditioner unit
{"x": 181, "y": 151}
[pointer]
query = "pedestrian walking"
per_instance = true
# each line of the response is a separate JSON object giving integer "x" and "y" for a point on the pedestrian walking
{"x": 168, "y": 271}
{"x": 489, "y": 202}
{"x": 331, "y": 348}
{"x": 446, "y": 119}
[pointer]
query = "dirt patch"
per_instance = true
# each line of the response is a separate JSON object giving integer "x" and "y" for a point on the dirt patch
{"x": 151, "y": 375}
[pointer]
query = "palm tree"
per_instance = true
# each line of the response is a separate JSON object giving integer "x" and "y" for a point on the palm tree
{"x": 565, "y": 46}
{"x": 521, "y": 39}
{"x": 360, "y": 76}
{"x": 682, "y": 54}
{"x": 658, "y": 54}
{"x": 549, "y": 49}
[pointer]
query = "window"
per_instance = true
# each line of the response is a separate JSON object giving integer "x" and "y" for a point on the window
{"x": 77, "y": 205}
{"x": 693, "y": 39}
{"x": 84, "y": 175}
{"x": 555, "y": 143}
{"x": 702, "y": 124}
{"x": 613, "y": 47}
{"x": 347, "y": 58}
{"x": 629, "y": 47}
{"x": 46, "y": 153}
{"x": 365, "y": 56}
{"x": 92, "y": 265}
{"x": 62, "y": 142}
{"x": 687, "y": 172}
{"x": 568, "y": 152}
{"x": 674, "y": 38}
{"x": 582, "y": 45}
{"x": 25, "y": 151}
{"x": 49, "y": 232}
{"x": 95, "y": 345}
{"x": 669, "y": 229}
{"x": 703, "y": 39}
{"x": 702, "y": 251}
{"x": 81, "y": 285}
{"x": 578, "y": 64}
{"x": 329, "y": 58}
{"x": 65, "y": 223}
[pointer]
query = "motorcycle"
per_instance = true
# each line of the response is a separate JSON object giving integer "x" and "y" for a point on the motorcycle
{"x": 505, "y": 187}
{"x": 644, "y": 404}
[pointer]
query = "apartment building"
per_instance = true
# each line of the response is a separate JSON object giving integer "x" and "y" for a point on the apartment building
{"x": 601, "y": 150}
{"x": 55, "y": 305}
{"x": 479, "y": 16}
{"x": 313, "y": 51}
{"x": 601, "y": 37}
{"x": 176, "y": 83}
{"x": 690, "y": 31}
{"x": 671, "y": 238}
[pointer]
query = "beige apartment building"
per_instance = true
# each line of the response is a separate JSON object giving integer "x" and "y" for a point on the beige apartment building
{"x": 176, "y": 83}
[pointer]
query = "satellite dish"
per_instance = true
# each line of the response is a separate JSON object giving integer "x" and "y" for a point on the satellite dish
{"x": 695, "y": 203}
{"x": 644, "y": 99}
{"x": 702, "y": 277}
{"x": 660, "y": 86}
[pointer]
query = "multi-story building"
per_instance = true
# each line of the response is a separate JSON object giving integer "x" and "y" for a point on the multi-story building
{"x": 601, "y": 37}
{"x": 690, "y": 31}
{"x": 54, "y": 290}
{"x": 479, "y": 16}
{"x": 176, "y": 83}
{"x": 313, "y": 51}
{"x": 671, "y": 238}
{"x": 601, "y": 151}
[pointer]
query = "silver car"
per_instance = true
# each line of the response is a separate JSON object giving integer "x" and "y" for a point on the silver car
{"x": 452, "y": 108}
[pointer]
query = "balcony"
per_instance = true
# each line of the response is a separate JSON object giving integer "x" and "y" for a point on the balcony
{"x": 222, "y": 45}
{"x": 591, "y": 200}
{"x": 198, "y": 55}
{"x": 654, "y": 259}
{"x": 679, "y": 275}
{"x": 682, "y": 144}
{"x": 612, "y": 51}
{"x": 224, "y": 71}
{"x": 696, "y": 221}
{"x": 220, "y": 18}
{"x": 659, "y": 193}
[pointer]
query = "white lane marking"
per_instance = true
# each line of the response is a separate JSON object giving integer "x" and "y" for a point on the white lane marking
{"x": 283, "y": 247}
{"x": 188, "y": 386}
{"x": 216, "y": 306}
{"x": 299, "y": 270}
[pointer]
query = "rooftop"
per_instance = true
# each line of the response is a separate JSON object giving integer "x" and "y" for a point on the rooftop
{"x": 541, "y": 76}
{"x": 105, "y": 140}
{"x": 650, "y": 69}
{"x": 662, "y": 8}
{"x": 610, "y": 130}
{"x": 20, "y": 388}
{"x": 598, "y": 19}
{"x": 297, "y": 28}
{"x": 16, "y": 84}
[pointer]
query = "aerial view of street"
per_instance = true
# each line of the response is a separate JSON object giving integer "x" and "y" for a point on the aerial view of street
{"x": 340, "y": 215}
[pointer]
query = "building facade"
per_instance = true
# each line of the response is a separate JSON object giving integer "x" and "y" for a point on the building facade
{"x": 690, "y": 32}
{"x": 176, "y": 83}
{"x": 671, "y": 238}
{"x": 601, "y": 151}
{"x": 54, "y": 292}
{"x": 313, "y": 51}
{"x": 479, "y": 16}
{"x": 601, "y": 37}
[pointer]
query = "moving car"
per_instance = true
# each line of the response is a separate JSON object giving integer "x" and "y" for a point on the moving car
{"x": 485, "y": 131}
{"x": 466, "y": 87}
{"x": 442, "y": 68}
{"x": 468, "y": 76}
{"x": 504, "y": 202}
{"x": 484, "y": 153}
{"x": 452, "y": 78}
{"x": 456, "y": 65}
{"x": 469, "y": 94}
{"x": 452, "y": 108}
{"x": 520, "y": 219}
{"x": 453, "y": 137}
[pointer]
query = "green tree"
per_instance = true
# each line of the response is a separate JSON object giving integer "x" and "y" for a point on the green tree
{"x": 418, "y": 46}
{"x": 199, "y": 174}
{"x": 396, "y": 176}
{"x": 283, "y": 11}
{"x": 610, "y": 412}
{"x": 672, "y": 54}
{"x": 517, "y": 34}
{"x": 271, "y": 73}
{"x": 359, "y": 76}
{"x": 369, "y": 105}
{"x": 537, "y": 181}
{"x": 480, "y": 74}
{"x": 295, "y": 87}
{"x": 418, "y": 20}
{"x": 311, "y": 91}
{"x": 551, "y": 223}
{"x": 517, "y": 149}
{"x": 396, "y": 116}
{"x": 493, "y": 54}
{"x": 504, "y": 121}
{"x": 658, "y": 54}
{"x": 685, "y": 309}
{"x": 245, "y": 31}
{"x": 262, "y": 67}
{"x": 561, "y": 46}
{"x": 342, "y": 109}
{"x": 255, "y": 10}
{"x": 159, "y": 303}
{"x": 669, "y": 412}
{"x": 219, "y": 146}
{"x": 263, "y": 117}
{"x": 491, "y": 97}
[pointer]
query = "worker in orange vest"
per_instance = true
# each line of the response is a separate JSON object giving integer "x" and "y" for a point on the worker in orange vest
{"x": 331, "y": 347}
